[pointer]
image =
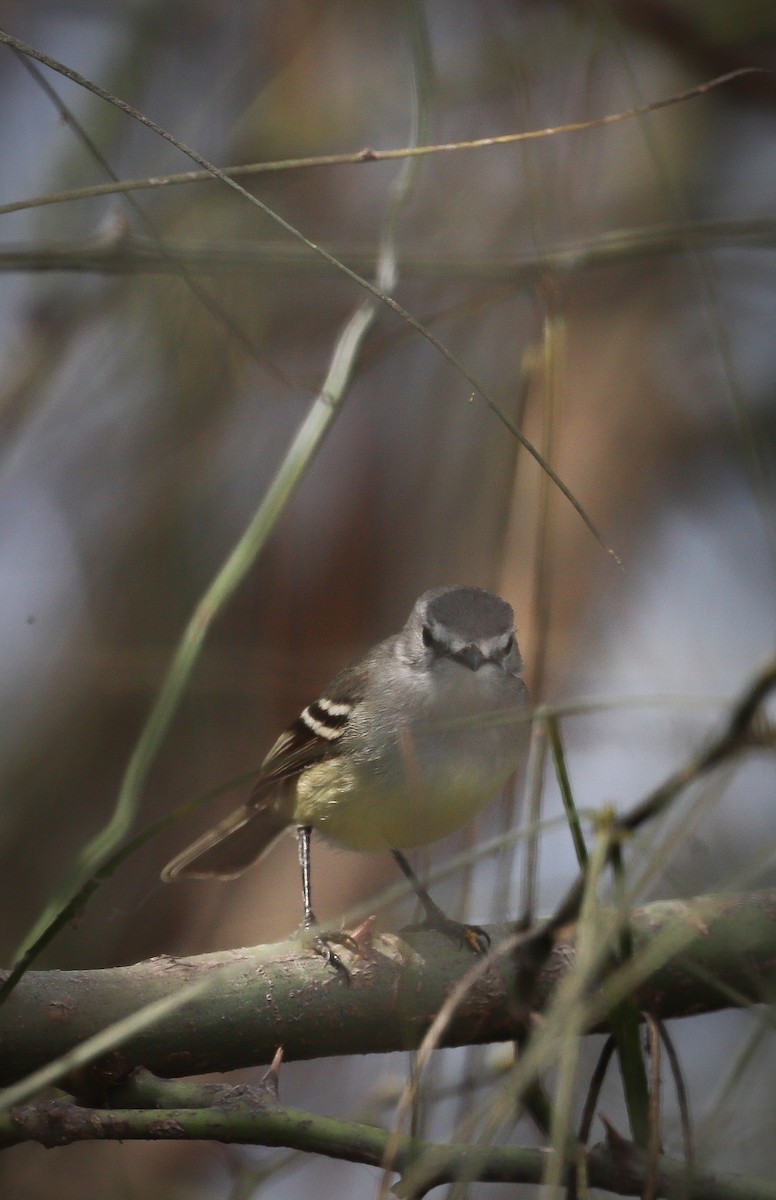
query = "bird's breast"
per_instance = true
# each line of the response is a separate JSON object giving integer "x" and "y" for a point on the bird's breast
{"x": 414, "y": 783}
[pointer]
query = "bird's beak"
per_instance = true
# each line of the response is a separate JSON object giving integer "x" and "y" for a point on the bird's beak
{"x": 471, "y": 657}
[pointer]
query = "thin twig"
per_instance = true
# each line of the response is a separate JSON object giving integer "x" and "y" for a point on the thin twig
{"x": 361, "y": 282}
{"x": 365, "y": 155}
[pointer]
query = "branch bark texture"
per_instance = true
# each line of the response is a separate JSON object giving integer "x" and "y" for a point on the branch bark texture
{"x": 283, "y": 995}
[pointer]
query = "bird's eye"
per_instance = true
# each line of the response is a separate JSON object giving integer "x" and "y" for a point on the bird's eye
{"x": 428, "y": 637}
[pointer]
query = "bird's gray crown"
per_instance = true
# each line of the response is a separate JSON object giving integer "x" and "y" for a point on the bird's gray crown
{"x": 470, "y": 612}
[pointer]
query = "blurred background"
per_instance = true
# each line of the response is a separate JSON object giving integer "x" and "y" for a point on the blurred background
{"x": 140, "y": 428}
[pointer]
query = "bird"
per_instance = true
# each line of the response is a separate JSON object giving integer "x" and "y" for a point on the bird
{"x": 402, "y": 748}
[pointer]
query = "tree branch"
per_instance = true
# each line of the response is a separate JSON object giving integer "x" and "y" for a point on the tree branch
{"x": 254, "y": 1116}
{"x": 283, "y": 995}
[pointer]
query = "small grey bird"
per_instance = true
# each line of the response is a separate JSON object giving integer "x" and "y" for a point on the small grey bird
{"x": 401, "y": 749}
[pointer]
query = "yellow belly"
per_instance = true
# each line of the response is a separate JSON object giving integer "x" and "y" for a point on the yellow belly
{"x": 338, "y": 802}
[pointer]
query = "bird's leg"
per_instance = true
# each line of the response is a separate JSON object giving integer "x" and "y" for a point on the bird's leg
{"x": 303, "y": 833}
{"x": 322, "y": 942}
{"x": 471, "y": 935}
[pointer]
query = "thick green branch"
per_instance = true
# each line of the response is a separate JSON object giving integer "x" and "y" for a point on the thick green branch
{"x": 283, "y": 995}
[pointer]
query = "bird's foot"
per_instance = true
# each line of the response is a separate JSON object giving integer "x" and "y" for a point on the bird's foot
{"x": 323, "y": 941}
{"x": 473, "y": 936}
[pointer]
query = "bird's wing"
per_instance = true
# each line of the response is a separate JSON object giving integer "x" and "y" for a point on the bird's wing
{"x": 315, "y": 734}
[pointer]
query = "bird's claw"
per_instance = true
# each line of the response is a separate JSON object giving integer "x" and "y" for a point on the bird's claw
{"x": 473, "y": 936}
{"x": 323, "y": 943}
{"x": 476, "y": 938}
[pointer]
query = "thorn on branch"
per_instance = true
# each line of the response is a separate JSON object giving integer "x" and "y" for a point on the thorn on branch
{"x": 270, "y": 1082}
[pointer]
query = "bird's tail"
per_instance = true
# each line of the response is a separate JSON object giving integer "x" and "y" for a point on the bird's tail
{"x": 229, "y": 847}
